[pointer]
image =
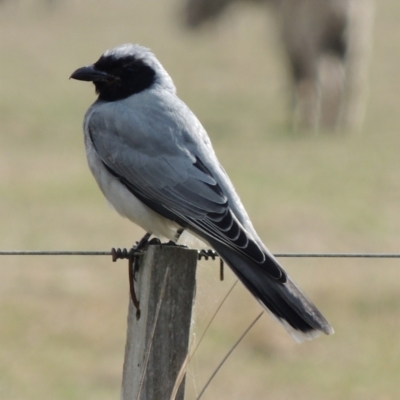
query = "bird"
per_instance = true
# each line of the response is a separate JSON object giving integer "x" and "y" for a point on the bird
{"x": 155, "y": 164}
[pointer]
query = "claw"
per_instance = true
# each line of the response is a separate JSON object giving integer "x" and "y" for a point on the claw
{"x": 155, "y": 241}
{"x": 178, "y": 234}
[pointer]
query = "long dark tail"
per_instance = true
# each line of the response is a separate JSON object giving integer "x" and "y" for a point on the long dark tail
{"x": 285, "y": 301}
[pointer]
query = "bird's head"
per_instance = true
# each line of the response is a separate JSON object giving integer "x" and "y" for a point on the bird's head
{"x": 124, "y": 71}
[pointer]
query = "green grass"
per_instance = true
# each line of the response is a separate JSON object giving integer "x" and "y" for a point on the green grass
{"x": 63, "y": 319}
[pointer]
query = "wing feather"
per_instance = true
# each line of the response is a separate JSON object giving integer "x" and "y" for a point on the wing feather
{"x": 178, "y": 185}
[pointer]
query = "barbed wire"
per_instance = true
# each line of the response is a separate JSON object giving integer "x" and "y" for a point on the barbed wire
{"x": 204, "y": 253}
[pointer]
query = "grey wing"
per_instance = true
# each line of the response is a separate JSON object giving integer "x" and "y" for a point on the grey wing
{"x": 174, "y": 182}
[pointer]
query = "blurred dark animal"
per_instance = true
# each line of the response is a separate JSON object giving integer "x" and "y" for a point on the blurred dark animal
{"x": 327, "y": 44}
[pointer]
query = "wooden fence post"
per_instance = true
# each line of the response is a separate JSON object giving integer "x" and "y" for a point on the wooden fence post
{"x": 157, "y": 344}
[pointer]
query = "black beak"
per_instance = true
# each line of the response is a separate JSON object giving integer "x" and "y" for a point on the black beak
{"x": 90, "y": 74}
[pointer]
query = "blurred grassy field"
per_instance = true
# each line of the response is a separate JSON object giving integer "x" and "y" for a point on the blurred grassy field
{"x": 63, "y": 319}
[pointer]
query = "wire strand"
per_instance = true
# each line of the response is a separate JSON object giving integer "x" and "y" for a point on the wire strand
{"x": 228, "y": 354}
{"x": 53, "y": 253}
{"x": 278, "y": 255}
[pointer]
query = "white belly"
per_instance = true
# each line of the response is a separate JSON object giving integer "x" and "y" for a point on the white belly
{"x": 129, "y": 206}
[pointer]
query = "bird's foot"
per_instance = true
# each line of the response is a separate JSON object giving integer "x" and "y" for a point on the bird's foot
{"x": 154, "y": 241}
{"x": 172, "y": 243}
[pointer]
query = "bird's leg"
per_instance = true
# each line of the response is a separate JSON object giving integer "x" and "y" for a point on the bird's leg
{"x": 142, "y": 242}
{"x": 174, "y": 241}
{"x": 133, "y": 268}
{"x": 178, "y": 234}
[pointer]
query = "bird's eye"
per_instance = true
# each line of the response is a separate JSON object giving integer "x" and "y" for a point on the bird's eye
{"x": 116, "y": 71}
{"x": 129, "y": 68}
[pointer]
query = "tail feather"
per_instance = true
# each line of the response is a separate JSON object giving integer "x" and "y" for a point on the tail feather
{"x": 285, "y": 301}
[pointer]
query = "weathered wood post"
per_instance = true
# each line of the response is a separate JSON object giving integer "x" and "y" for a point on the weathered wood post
{"x": 157, "y": 344}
